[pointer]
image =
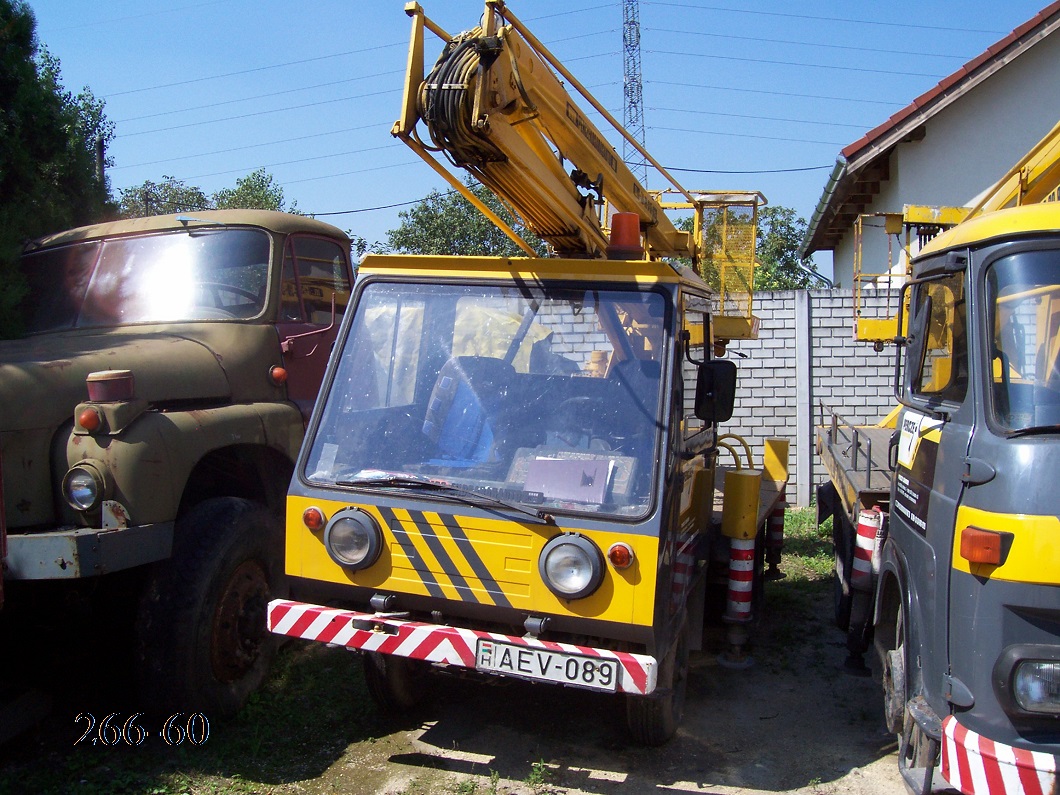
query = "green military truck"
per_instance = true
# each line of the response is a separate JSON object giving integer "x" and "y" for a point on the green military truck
{"x": 151, "y": 415}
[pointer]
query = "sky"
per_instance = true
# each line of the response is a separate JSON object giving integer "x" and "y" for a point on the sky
{"x": 737, "y": 95}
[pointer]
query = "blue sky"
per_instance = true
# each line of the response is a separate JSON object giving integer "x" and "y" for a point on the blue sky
{"x": 757, "y": 95}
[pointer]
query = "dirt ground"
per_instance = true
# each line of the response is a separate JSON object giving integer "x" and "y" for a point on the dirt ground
{"x": 792, "y": 722}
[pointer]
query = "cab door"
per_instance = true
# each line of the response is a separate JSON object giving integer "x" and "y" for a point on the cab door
{"x": 315, "y": 276}
{"x": 934, "y": 432}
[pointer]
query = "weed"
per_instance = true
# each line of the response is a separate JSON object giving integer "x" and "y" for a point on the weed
{"x": 495, "y": 778}
{"x": 539, "y": 776}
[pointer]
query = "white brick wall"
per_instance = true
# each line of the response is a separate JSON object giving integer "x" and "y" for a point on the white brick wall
{"x": 845, "y": 376}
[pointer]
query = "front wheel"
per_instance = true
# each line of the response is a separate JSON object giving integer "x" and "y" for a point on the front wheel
{"x": 917, "y": 751}
{"x": 654, "y": 719}
{"x": 202, "y": 643}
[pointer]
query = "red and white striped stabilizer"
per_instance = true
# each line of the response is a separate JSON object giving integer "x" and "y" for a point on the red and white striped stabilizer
{"x": 741, "y": 580}
{"x": 977, "y": 766}
{"x": 434, "y": 643}
{"x": 870, "y": 527}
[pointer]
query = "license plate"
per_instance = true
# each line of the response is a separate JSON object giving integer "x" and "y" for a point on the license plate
{"x": 527, "y": 662}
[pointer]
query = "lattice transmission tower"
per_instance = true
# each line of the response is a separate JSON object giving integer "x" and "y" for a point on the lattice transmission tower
{"x": 632, "y": 88}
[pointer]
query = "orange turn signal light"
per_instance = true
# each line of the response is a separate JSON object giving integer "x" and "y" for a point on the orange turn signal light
{"x": 620, "y": 555}
{"x": 314, "y": 518}
{"x": 981, "y": 546}
{"x": 90, "y": 420}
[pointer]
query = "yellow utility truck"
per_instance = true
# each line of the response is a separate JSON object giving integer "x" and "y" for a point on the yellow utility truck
{"x": 511, "y": 468}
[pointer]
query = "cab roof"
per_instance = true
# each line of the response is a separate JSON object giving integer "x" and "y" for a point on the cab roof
{"x": 990, "y": 227}
{"x": 282, "y": 223}
{"x": 530, "y": 269}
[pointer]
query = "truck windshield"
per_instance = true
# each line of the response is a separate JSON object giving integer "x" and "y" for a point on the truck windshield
{"x": 165, "y": 277}
{"x": 548, "y": 398}
{"x": 1024, "y": 299}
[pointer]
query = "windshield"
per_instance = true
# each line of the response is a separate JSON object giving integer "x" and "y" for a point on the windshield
{"x": 165, "y": 277}
{"x": 548, "y": 398}
{"x": 1024, "y": 296}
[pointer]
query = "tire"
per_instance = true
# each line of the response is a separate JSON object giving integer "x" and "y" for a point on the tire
{"x": 841, "y": 596}
{"x": 202, "y": 643}
{"x": 916, "y": 750}
{"x": 396, "y": 684}
{"x": 653, "y": 720}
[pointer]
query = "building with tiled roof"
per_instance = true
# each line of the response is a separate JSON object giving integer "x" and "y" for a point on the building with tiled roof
{"x": 948, "y": 145}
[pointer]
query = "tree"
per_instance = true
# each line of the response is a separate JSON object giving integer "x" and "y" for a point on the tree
{"x": 171, "y": 195}
{"x": 780, "y": 234}
{"x": 778, "y": 237}
{"x": 50, "y": 145}
{"x": 256, "y": 191}
{"x": 447, "y": 223}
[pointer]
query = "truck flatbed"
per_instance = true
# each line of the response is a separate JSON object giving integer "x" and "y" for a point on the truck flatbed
{"x": 856, "y": 459}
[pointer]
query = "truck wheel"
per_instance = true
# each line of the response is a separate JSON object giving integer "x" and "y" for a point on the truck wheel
{"x": 654, "y": 719}
{"x": 915, "y": 749}
{"x": 841, "y": 582}
{"x": 202, "y": 644}
{"x": 396, "y": 684}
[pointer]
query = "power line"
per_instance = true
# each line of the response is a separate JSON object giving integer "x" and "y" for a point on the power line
{"x": 251, "y": 71}
{"x": 797, "y": 63}
{"x": 808, "y": 44}
{"x": 903, "y": 25}
{"x": 893, "y": 104}
{"x": 260, "y": 113}
{"x": 259, "y": 96}
{"x": 763, "y": 118}
{"x": 298, "y": 139}
{"x": 733, "y": 134}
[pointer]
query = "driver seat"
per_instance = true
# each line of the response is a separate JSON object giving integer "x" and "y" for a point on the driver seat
{"x": 464, "y": 411}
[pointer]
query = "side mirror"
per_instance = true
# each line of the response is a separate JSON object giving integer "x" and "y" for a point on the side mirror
{"x": 716, "y": 391}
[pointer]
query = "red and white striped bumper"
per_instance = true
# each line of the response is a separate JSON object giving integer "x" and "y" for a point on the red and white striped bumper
{"x": 977, "y": 766}
{"x": 434, "y": 643}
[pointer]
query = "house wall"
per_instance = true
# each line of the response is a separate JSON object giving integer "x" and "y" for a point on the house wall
{"x": 804, "y": 365}
{"x": 967, "y": 147}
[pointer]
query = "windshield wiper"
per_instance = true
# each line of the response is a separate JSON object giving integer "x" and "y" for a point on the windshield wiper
{"x": 378, "y": 478}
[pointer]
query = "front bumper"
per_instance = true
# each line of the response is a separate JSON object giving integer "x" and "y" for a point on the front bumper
{"x": 975, "y": 765}
{"x": 75, "y": 552}
{"x": 441, "y": 644}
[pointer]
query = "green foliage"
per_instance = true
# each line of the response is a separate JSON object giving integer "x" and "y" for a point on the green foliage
{"x": 256, "y": 191}
{"x": 777, "y": 240}
{"x": 49, "y": 139}
{"x": 780, "y": 232}
{"x": 171, "y": 195}
{"x": 447, "y": 223}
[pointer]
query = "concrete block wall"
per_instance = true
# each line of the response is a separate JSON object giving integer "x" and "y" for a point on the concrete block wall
{"x": 805, "y": 364}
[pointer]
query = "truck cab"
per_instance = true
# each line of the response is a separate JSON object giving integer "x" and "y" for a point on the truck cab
{"x": 508, "y": 472}
{"x": 968, "y": 602}
{"x": 153, "y": 411}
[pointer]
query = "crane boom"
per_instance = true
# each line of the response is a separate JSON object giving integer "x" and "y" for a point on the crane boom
{"x": 493, "y": 104}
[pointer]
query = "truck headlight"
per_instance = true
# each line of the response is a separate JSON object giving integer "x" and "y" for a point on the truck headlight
{"x": 85, "y": 485}
{"x": 353, "y": 539}
{"x": 571, "y": 566}
{"x": 1036, "y": 686}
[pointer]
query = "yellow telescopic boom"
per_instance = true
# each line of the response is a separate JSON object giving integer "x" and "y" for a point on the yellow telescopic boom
{"x": 493, "y": 104}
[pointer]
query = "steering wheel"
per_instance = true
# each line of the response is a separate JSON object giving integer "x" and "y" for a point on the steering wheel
{"x": 578, "y": 416}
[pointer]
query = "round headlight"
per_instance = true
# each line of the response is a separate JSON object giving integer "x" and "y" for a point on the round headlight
{"x": 84, "y": 487}
{"x": 1037, "y": 686}
{"x": 571, "y": 566}
{"x": 353, "y": 539}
